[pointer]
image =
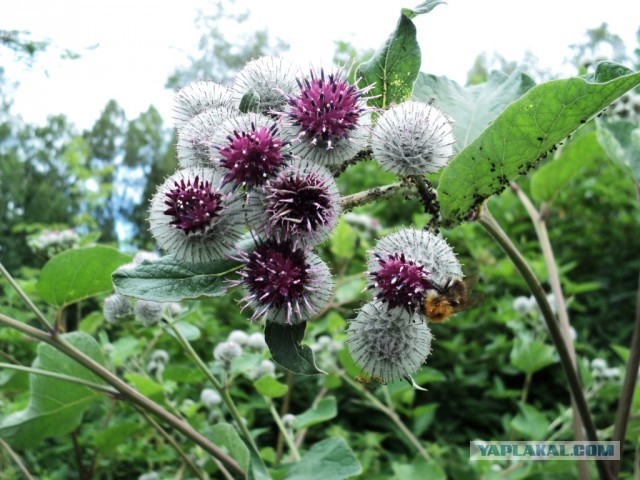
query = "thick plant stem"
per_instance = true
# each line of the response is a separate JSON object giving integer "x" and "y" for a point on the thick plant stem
{"x": 389, "y": 413}
{"x": 224, "y": 393}
{"x": 540, "y": 225}
{"x": 374, "y": 194}
{"x": 628, "y": 389}
{"x": 491, "y": 226}
{"x": 126, "y": 391}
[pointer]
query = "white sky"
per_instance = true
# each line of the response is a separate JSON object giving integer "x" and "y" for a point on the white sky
{"x": 142, "y": 41}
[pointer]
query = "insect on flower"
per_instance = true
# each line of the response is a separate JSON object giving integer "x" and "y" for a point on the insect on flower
{"x": 443, "y": 301}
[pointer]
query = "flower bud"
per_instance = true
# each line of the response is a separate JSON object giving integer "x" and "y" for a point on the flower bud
{"x": 210, "y": 398}
{"x": 148, "y": 312}
{"x": 116, "y": 308}
{"x": 227, "y": 351}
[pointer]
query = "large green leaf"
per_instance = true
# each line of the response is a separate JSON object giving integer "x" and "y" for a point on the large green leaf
{"x": 521, "y": 135}
{"x": 530, "y": 423}
{"x": 79, "y": 273}
{"x": 226, "y": 435}
{"x": 325, "y": 410}
{"x": 621, "y": 140}
{"x": 55, "y": 407}
{"x": 471, "y": 108}
{"x": 394, "y": 67}
{"x": 531, "y": 356}
{"x": 330, "y": 459}
{"x": 270, "y": 387}
{"x": 169, "y": 280}
{"x": 578, "y": 153}
{"x": 287, "y": 351}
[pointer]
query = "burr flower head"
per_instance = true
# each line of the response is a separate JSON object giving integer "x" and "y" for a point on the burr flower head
{"x": 328, "y": 116}
{"x": 195, "y": 218}
{"x": 116, "y": 308}
{"x": 285, "y": 283}
{"x": 399, "y": 281}
{"x": 421, "y": 248}
{"x": 227, "y": 351}
{"x": 389, "y": 344}
{"x": 194, "y": 146}
{"x": 250, "y": 150}
{"x": 198, "y": 96}
{"x": 272, "y": 78}
{"x": 210, "y": 398}
{"x": 148, "y": 312}
{"x": 413, "y": 138}
{"x": 301, "y": 203}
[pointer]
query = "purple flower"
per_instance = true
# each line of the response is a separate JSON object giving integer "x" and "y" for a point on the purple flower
{"x": 195, "y": 218}
{"x": 285, "y": 284}
{"x": 399, "y": 281}
{"x": 194, "y": 146}
{"x": 250, "y": 150}
{"x": 329, "y": 118}
{"x": 301, "y": 203}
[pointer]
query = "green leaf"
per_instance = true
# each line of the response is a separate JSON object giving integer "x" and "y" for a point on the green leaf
{"x": 420, "y": 469}
{"x": 287, "y": 351}
{"x": 423, "y": 417}
{"x": 472, "y": 108}
{"x": 55, "y": 406}
{"x": 530, "y": 422}
{"x": 227, "y": 436}
{"x": 519, "y": 137}
{"x": 250, "y": 102}
{"x": 531, "y": 356}
{"x": 574, "y": 157}
{"x": 190, "y": 332}
{"x": 394, "y": 67}
{"x": 79, "y": 273}
{"x": 145, "y": 385}
{"x": 424, "y": 7}
{"x": 621, "y": 141}
{"x": 330, "y": 459}
{"x": 343, "y": 240}
{"x": 169, "y": 280}
{"x": 108, "y": 440}
{"x": 270, "y": 387}
{"x": 325, "y": 410}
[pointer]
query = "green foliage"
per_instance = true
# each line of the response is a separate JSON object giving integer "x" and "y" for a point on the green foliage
{"x": 621, "y": 140}
{"x": 284, "y": 342}
{"x": 55, "y": 407}
{"x": 270, "y": 387}
{"x": 324, "y": 411}
{"x": 521, "y": 135}
{"x": 330, "y": 459}
{"x": 226, "y": 435}
{"x": 78, "y": 274}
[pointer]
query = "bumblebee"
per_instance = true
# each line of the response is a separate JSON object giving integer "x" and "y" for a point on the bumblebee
{"x": 443, "y": 301}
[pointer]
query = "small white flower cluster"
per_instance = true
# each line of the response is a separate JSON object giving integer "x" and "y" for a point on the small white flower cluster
{"x": 601, "y": 370}
{"x": 51, "y": 242}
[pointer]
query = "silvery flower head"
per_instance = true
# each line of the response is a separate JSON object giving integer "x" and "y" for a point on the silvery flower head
{"x": 194, "y": 146}
{"x": 149, "y": 312}
{"x": 328, "y": 117}
{"x": 301, "y": 203}
{"x": 413, "y": 138}
{"x": 285, "y": 283}
{"x": 198, "y": 96}
{"x": 388, "y": 343}
{"x": 210, "y": 398}
{"x": 239, "y": 337}
{"x": 406, "y": 263}
{"x": 256, "y": 341}
{"x": 227, "y": 351}
{"x": 117, "y": 308}
{"x": 249, "y": 150}
{"x": 289, "y": 420}
{"x": 194, "y": 217}
{"x": 271, "y": 78}
{"x": 524, "y": 305}
{"x": 161, "y": 356}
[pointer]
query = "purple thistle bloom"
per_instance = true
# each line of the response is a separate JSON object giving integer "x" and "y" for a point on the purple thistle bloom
{"x": 285, "y": 283}
{"x": 194, "y": 145}
{"x": 195, "y": 218}
{"x": 251, "y": 151}
{"x": 301, "y": 203}
{"x": 399, "y": 281}
{"x": 329, "y": 117}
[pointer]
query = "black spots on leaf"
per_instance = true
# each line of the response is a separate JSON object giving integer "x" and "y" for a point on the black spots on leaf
{"x": 583, "y": 121}
{"x": 540, "y": 139}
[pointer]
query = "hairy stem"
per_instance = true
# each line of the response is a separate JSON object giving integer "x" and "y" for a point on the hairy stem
{"x": 126, "y": 391}
{"x": 491, "y": 226}
{"x": 362, "y": 155}
{"x": 374, "y": 194}
{"x": 429, "y": 200}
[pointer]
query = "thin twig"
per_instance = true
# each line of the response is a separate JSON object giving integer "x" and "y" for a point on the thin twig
{"x": 374, "y": 194}
{"x": 429, "y": 200}
{"x": 362, "y": 155}
{"x": 78, "y": 454}
{"x": 185, "y": 458}
{"x": 16, "y": 459}
{"x": 283, "y": 430}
